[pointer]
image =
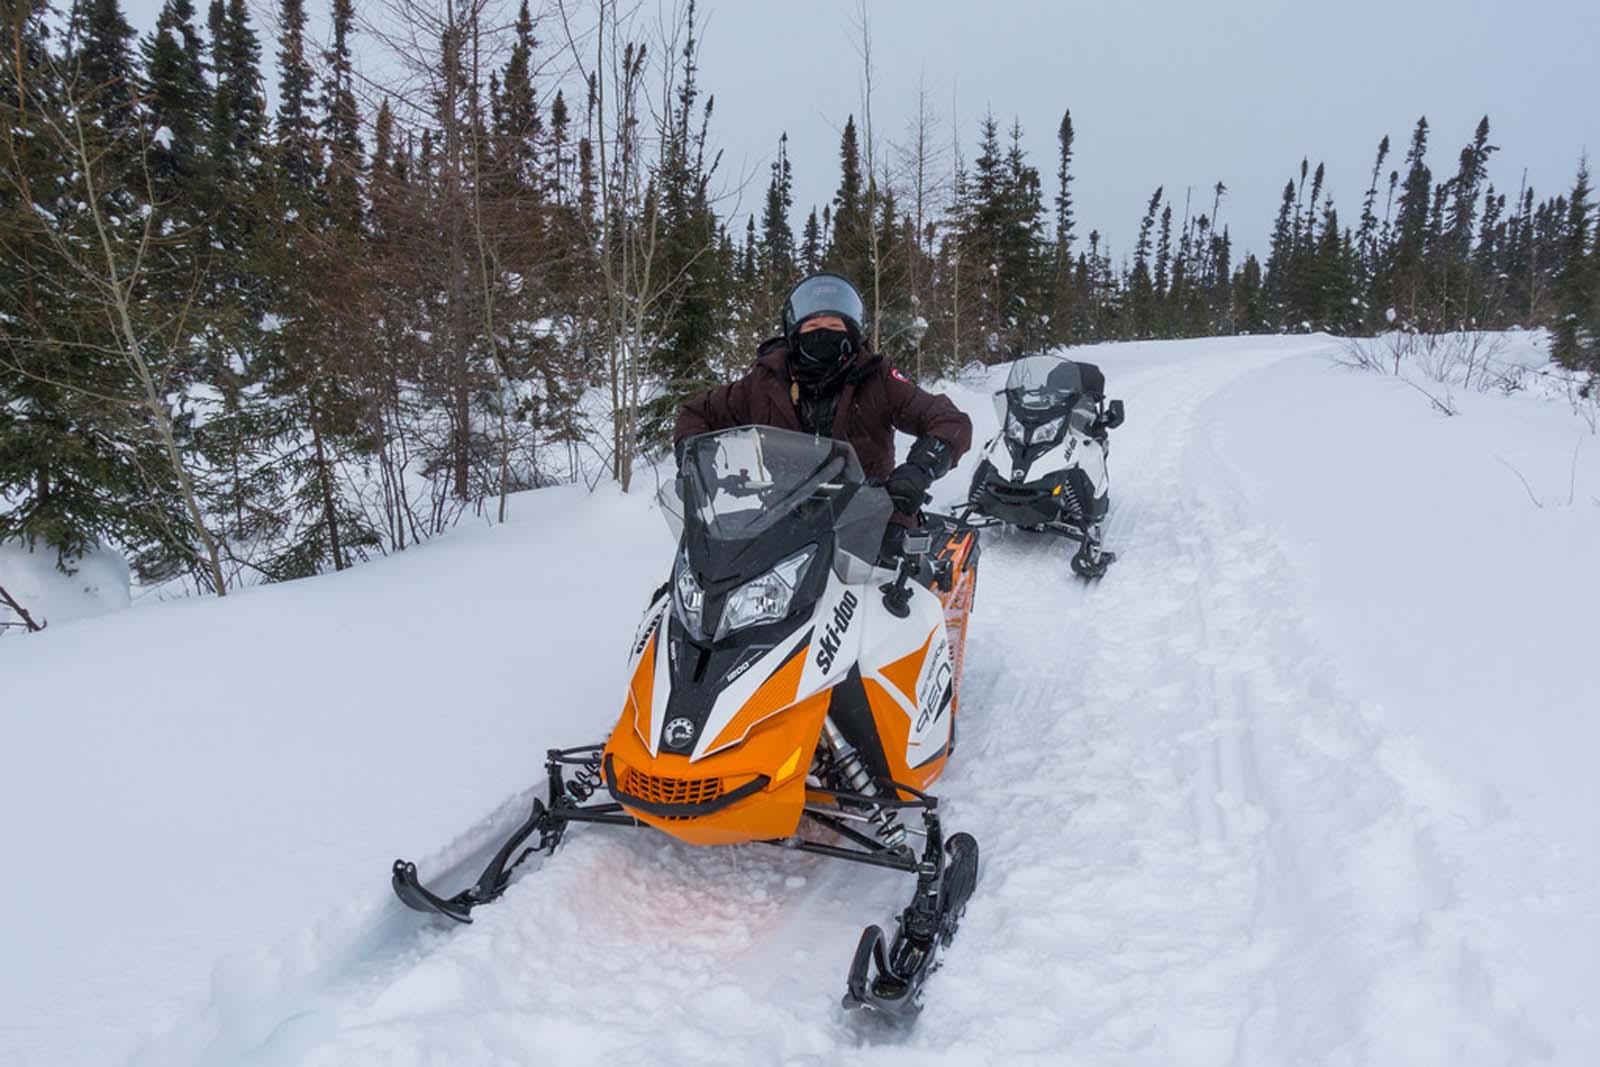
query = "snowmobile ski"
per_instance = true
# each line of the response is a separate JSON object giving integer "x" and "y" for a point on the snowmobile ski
{"x": 548, "y": 821}
{"x": 886, "y": 977}
{"x": 1091, "y": 561}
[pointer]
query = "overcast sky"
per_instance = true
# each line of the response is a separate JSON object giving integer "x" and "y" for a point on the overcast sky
{"x": 1173, "y": 93}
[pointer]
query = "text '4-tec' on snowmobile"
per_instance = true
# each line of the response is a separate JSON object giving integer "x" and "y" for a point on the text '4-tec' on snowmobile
{"x": 1046, "y": 469}
{"x": 784, "y": 689}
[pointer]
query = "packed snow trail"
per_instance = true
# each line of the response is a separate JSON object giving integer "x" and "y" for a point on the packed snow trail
{"x": 1214, "y": 821}
{"x": 1197, "y": 848}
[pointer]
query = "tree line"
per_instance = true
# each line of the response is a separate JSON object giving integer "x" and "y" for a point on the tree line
{"x": 246, "y": 344}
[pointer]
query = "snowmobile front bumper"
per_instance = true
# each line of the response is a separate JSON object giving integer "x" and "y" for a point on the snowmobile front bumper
{"x": 1037, "y": 503}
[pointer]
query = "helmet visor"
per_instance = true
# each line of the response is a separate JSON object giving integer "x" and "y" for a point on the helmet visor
{"x": 823, "y": 294}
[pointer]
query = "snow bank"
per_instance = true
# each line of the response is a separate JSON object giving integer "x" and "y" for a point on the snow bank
{"x": 204, "y": 779}
{"x": 98, "y": 583}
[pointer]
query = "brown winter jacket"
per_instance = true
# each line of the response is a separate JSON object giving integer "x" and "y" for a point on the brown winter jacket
{"x": 875, "y": 401}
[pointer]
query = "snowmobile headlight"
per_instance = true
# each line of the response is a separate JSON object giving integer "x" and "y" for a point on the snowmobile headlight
{"x": 1048, "y": 431}
{"x": 767, "y": 598}
{"x": 1015, "y": 430}
{"x": 688, "y": 598}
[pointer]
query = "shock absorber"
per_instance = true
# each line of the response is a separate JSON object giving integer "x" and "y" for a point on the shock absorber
{"x": 854, "y": 772}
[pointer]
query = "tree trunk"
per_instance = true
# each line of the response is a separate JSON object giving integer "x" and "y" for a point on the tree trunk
{"x": 330, "y": 514}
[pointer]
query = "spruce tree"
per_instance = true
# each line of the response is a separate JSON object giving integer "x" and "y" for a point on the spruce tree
{"x": 93, "y": 446}
{"x": 1141, "y": 288}
{"x": 1065, "y": 291}
{"x": 1025, "y": 266}
{"x": 60, "y": 473}
{"x": 557, "y": 151}
{"x": 1571, "y": 343}
{"x": 1367, "y": 234}
{"x": 521, "y": 128}
{"x": 1469, "y": 179}
{"x": 312, "y": 286}
{"x": 1407, "y": 262}
{"x": 103, "y": 61}
{"x": 1592, "y": 322}
{"x": 1064, "y": 218}
{"x": 850, "y": 250}
{"x": 1251, "y": 313}
{"x": 1162, "y": 280}
{"x": 777, "y": 239}
{"x": 1280, "y": 257}
{"x": 298, "y": 157}
{"x": 341, "y": 125}
{"x": 179, "y": 102}
{"x": 811, "y": 244}
{"x": 692, "y": 309}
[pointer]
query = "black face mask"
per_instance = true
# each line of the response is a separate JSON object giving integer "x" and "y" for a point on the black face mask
{"x": 819, "y": 355}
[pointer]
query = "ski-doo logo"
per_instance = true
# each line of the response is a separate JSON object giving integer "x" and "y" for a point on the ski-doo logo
{"x": 833, "y": 633}
{"x": 679, "y": 733}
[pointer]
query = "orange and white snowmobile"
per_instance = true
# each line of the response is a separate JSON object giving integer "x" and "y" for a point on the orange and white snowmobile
{"x": 783, "y": 688}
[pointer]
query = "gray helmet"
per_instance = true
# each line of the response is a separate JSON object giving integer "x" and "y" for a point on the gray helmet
{"x": 824, "y": 294}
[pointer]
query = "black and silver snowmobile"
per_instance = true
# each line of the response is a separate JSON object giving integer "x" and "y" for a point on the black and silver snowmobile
{"x": 1046, "y": 469}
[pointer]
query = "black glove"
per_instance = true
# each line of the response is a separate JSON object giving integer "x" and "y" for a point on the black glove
{"x": 908, "y": 485}
{"x": 908, "y": 488}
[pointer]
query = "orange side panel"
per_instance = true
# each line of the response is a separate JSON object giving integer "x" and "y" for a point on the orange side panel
{"x": 894, "y": 731}
{"x": 775, "y": 694}
{"x": 904, "y": 672}
{"x": 958, "y": 603}
{"x": 958, "y": 610}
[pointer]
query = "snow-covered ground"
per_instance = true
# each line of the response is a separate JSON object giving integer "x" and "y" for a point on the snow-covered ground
{"x": 1305, "y": 779}
{"x": 97, "y": 583}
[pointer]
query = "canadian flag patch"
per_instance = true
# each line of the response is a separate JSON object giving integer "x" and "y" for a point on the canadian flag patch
{"x": 894, "y": 372}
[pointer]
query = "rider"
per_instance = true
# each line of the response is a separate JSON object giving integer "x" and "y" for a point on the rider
{"x": 820, "y": 377}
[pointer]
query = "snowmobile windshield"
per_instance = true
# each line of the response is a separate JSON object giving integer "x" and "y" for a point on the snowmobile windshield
{"x": 1043, "y": 383}
{"x": 1044, "y": 398}
{"x": 753, "y": 494}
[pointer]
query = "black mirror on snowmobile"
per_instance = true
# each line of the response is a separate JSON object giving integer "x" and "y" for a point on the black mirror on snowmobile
{"x": 1114, "y": 415}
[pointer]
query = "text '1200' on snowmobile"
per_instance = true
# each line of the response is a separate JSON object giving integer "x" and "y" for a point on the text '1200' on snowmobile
{"x": 784, "y": 689}
{"x": 1046, "y": 469}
